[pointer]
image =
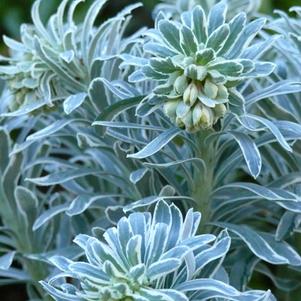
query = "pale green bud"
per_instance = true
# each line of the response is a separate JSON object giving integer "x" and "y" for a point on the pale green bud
{"x": 222, "y": 92}
{"x": 182, "y": 109}
{"x": 197, "y": 115}
{"x": 210, "y": 89}
{"x": 191, "y": 71}
{"x": 220, "y": 110}
{"x": 191, "y": 94}
{"x": 181, "y": 84}
{"x": 188, "y": 122}
{"x": 180, "y": 123}
{"x": 207, "y": 118}
{"x": 170, "y": 109}
{"x": 194, "y": 94}
{"x": 196, "y": 72}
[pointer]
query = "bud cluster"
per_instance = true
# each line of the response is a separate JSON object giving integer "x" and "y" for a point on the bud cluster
{"x": 28, "y": 78}
{"x": 199, "y": 64}
{"x": 191, "y": 106}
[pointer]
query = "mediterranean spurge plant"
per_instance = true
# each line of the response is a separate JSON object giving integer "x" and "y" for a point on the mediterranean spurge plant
{"x": 170, "y": 156}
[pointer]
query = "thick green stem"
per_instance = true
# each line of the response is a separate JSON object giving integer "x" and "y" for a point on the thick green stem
{"x": 203, "y": 180}
{"x": 37, "y": 270}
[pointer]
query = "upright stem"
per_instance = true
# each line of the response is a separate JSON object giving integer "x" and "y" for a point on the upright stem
{"x": 203, "y": 180}
{"x": 36, "y": 269}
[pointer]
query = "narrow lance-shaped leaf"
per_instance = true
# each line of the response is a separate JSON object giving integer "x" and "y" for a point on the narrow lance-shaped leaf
{"x": 112, "y": 111}
{"x": 157, "y": 144}
{"x": 250, "y": 152}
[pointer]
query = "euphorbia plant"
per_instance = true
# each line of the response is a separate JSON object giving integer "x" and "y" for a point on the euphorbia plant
{"x": 124, "y": 141}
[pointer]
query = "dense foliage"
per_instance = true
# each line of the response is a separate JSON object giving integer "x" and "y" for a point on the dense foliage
{"x": 170, "y": 156}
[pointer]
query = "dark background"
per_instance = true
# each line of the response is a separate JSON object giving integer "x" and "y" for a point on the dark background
{"x": 15, "y": 12}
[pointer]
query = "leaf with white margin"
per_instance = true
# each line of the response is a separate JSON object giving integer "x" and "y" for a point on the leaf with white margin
{"x": 138, "y": 175}
{"x": 49, "y": 130}
{"x": 163, "y": 267}
{"x": 250, "y": 152}
{"x": 48, "y": 215}
{"x": 63, "y": 177}
{"x": 7, "y": 260}
{"x": 264, "y": 245}
{"x": 73, "y": 102}
{"x": 157, "y": 144}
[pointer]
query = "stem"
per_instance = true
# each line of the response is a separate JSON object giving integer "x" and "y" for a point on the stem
{"x": 203, "y": 180}
{"x": 37, "y": 270}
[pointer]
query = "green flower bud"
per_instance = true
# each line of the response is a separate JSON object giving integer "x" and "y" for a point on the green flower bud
{"x": 207, "y": 118}
{"x": 186, "y": 95}
{"x": 196, "y": 72}
{"x": 182, "y": 109}
{"x": 191, "y": 72}
{"x": 188, "y": 121}
{"x": 180, "y": 123}
{"x": 191, "y": 94}
{"x": 210, "y": 89}
{"x": 222, "y": 92}
{"x": 220, "y": 111}
{"x": 197, "y": 115}
{"x": 170, "y": 109}
{"x": 181, "y": 84}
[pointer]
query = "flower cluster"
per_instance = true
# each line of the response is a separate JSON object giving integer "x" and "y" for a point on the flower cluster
{"x": 147, "y": 258}
{"x": 58, "y": 61}
{"x": 200, "y": 62}
{"x": 26, "y": 72}
{"x": 38, "y": 71}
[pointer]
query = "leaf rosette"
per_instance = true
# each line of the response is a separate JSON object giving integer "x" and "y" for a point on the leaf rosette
{"x": 147, "y": 258}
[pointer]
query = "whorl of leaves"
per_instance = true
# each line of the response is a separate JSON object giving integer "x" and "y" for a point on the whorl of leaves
{"x": 147, "y": 258}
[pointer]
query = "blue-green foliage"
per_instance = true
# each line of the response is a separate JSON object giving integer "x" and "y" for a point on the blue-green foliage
{"x": 124, "y": 141}
{"x": 146, "y": 258}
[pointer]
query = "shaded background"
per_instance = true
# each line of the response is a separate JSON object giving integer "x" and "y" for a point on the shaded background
{"x": 15, "y": 12}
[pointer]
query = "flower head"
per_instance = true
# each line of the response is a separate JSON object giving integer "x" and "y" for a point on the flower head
{"x": 199, "y": 63}
{"x": 38, "y": 71}
{"x": 57, "y": 61}
{"x": 148, "y": 258}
